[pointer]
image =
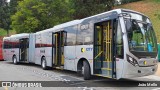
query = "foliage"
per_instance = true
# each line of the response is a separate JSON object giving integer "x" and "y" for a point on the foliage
{"x": 128, "y": 1}
{"x": 157, "y": 1}
{"x": 4, "y": 14}
{"x": 4, "y": 32}
{"x": 85, "y": 8}
{"x": 36, "y": 15}
{"x": 13, "y": 5}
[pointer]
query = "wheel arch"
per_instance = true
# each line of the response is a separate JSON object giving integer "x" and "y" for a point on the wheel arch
{"x": 80, "y": 64}
{"x": 14, "y": 55}
{"x": 41, "y": 59}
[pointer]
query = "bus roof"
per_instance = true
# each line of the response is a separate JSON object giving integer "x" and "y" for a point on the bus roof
{"x": 75, "y": 22}
{"x": 128, "y": 10}
{"x": 20, "y": 35}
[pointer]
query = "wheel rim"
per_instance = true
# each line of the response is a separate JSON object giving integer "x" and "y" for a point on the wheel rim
{"x": 82, "y": 70}
{"x": 43, "y": 64}
{"x": 14, "y": 60}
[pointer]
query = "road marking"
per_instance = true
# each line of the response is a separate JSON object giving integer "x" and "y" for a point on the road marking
{"x": 156, "y": 89}
{"x": 6, "y": 88}
{"x": 77, "y": 83}
{"x": 86, "y": 88}
{"x": 153, "y": 77}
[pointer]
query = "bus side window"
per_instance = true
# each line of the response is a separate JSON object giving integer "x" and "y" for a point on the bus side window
{"x": 119, "y": 42}
{"x": 71, "y": 36}
{"x": 85, "y": 36}
{"x": 5, "y": 44}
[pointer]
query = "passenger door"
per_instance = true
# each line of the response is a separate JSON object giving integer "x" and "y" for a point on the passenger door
{"x": 104, "y": 46}
{"x": 23, "y": 50}
{"x": 59, "y": 39}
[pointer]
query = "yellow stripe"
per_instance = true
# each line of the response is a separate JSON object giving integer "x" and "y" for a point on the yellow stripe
{"x": 107, "y": 69}
{"x": 98, "y": 54}
{"x": 102, "y": 75}
{"x": 109, "y": 48}
{"x": 56, "y": 49}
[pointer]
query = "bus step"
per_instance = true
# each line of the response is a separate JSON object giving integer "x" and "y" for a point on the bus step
{"x": 106, "y": 71}
{"x": 102, "y": 75}
{"x": 98, "y": 65}
{"x": 61, "y": 67}
{"x": 107, "y": 64}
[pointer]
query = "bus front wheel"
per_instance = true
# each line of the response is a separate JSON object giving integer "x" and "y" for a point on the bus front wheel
{"x": 86, "y": 70}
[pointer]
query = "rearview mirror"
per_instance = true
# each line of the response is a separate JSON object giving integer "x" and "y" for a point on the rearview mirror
{"x": 149, "y": 26}
{"x": 135, "y": 26}
{"x": 129, "y": 25}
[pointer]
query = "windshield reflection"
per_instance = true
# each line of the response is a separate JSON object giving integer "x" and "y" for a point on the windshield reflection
{"x": 141, "y": 37}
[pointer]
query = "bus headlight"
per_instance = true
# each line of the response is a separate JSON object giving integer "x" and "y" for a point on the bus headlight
{"x": 143, "y": 62}
{"x": 132, "y": 61}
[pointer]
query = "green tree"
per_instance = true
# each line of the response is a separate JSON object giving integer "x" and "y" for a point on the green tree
{"x": 128, "y": 1}
{"x": 85, "y": 8}
{"x": 36, "y": 15}
{"x": 13, "y": 6}
{"x": 4, "y": 15}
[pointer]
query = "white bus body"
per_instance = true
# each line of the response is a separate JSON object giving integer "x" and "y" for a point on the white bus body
{"x": 12, "y": 47}
{"x": 102, "y": 45}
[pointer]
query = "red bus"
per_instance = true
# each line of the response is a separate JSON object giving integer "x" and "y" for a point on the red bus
{"x": 1, "y": 54}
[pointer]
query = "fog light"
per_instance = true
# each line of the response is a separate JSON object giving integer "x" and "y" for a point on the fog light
{"x": 139, "y": 71}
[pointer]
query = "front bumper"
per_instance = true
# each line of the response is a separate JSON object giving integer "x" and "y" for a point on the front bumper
{"x": 137, "y": 71}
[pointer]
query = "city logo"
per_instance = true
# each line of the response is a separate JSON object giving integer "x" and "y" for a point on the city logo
{"x": 82, "y": 50}
{"x": 86, "y": 49}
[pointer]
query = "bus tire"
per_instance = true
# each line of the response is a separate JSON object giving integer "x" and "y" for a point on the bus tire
{"x": 86, "y": 70}
{"x": 15, "y": 60}
{"x": 44, "y": 63}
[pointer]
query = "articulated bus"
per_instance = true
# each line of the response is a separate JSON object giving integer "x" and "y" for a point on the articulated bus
{"x": 116, "y": 44}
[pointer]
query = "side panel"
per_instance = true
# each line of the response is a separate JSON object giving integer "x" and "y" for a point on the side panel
{"x": 69, "y": 58}
{"x": 120, "y": 64}
{"x": 31, "y": 53}
{"x": 37, "y": 49}
{"x": 43, "y": 48}
{"x": 46, "y": 47}
{"x": 15, "y": 50}
{"x": 4, "y": 48}
{"x": 84, "y": 51}
{"x": 38, "y": 56}
{"x": 4, "y": 54}
{"x": 119, "y": 67}
{"x": 48, "y": 55}
{"x": 70, "y": 48}
{"x": 10, "y": 48}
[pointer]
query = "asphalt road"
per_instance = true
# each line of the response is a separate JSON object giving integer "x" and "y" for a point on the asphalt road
{"x": 63, "y": 80}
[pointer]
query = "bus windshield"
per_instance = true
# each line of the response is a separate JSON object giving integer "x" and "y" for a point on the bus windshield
{"x": 141, "y": 36}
